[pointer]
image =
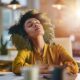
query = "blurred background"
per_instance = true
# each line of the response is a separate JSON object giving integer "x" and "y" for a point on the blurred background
{"x": 65, "y": 15}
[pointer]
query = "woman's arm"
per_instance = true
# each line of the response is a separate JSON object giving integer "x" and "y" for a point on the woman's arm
{"x": 67, "y": 60}
{"x": 20, "y": 61}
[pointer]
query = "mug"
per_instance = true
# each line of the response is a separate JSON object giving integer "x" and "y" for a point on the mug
{"x": 30, "y": 73}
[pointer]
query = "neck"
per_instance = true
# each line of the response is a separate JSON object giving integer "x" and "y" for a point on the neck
{"x": 38, "y": 43}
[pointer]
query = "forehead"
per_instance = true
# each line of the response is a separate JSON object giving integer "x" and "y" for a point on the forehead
{"x": 32, "y": 19}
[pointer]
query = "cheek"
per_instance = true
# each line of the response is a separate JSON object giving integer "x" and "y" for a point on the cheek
{"x": 26, "y": 29}
{"x": 43, "y": 31}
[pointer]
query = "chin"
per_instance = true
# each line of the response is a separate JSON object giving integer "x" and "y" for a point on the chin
{"x": 40, "y": 33}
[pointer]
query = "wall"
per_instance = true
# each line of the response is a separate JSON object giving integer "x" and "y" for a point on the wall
{"x": 66, "y": 20}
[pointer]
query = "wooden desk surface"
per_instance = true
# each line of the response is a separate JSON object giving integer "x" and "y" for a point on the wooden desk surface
{"x": 6, "y": 58}
{"x": 5, "y": 63}
{"x": 11, "y": 76}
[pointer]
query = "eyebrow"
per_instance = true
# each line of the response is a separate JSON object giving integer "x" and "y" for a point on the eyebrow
{"x": 29, "y": 22}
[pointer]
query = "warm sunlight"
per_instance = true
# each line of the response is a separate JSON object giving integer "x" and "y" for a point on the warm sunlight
{"x": 78, "y": 11}
{"x": 58, "y": 6}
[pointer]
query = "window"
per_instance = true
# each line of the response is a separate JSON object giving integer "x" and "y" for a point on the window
{"x": 10, "y": 17}
{"x": 6, "y": 18}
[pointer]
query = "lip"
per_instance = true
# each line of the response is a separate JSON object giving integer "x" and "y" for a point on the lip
{"x": 37, "y": 29}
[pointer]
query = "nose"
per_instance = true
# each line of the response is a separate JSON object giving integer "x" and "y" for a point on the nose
{"x": 35, "y": 23}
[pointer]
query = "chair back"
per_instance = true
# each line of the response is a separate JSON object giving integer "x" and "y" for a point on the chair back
{"x": 66, "y": 43}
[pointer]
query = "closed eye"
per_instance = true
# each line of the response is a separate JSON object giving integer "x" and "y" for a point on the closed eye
{"x": 29, "y": 24}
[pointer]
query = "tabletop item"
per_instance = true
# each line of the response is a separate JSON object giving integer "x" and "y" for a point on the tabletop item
{"x": 30, "y": 73}
{"x": 57, "y": 73}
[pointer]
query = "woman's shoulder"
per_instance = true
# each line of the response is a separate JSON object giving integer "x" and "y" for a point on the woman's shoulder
{"x": 24, "y": 51}
{"x": 55, "y": 46}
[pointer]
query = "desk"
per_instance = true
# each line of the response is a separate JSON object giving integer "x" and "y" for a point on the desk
{"x": 5, "y": 63}
{"x": 6, "y": 58}
{"x": 11, "y": 76}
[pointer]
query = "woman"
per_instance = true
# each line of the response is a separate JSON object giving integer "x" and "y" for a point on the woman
{"x": 35, "y": 29}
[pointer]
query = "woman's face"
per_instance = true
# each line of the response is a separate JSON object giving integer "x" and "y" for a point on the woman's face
{"x": 33, "y": 28}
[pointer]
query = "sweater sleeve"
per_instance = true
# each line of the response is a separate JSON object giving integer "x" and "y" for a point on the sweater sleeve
{"x": 20, "y": 61}
{"x": 67, "y": 60}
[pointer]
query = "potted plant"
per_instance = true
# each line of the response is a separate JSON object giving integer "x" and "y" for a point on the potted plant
{"x": 3, "y": 47}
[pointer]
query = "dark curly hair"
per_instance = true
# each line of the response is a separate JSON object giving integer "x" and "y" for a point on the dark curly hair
{"x": 42, "y": 17}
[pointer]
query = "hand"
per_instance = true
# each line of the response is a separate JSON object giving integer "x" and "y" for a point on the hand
{"x": 43, "y": 69}
{"x": 46, "y": 69}
{"x": 68, "y": 75}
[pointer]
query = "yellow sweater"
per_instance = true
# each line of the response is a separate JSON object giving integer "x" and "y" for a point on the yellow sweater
{"x": 52, "y": 55}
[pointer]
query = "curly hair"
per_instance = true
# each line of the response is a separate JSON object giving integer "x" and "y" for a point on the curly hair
{"x": 18, "y": 29}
